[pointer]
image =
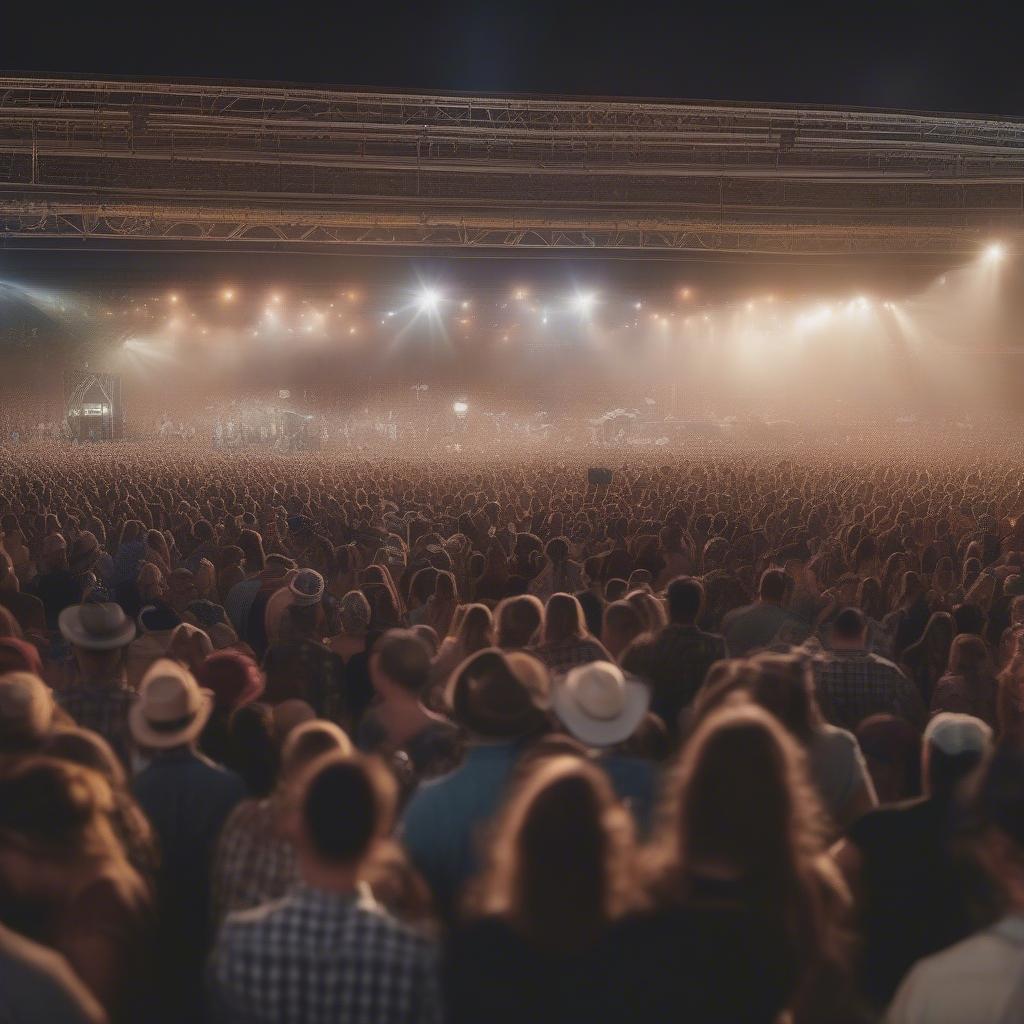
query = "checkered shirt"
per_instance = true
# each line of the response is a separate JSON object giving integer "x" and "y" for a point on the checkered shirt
{"x": 254, "y": 863}
{"x": 855, "y": 684}
{"x": 317, "y": 957}
{"x": 566, "y": 654}
{"x": 104, "y": 710}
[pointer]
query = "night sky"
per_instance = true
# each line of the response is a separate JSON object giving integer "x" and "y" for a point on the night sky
{"x": 927, "y": 56}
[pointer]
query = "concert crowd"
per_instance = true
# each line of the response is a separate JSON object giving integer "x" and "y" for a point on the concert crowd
{"x": 718, "y": 736}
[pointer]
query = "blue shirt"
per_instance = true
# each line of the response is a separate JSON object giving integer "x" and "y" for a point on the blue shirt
{"x": 442, "y": 821}
{"x": 635, "y": 782}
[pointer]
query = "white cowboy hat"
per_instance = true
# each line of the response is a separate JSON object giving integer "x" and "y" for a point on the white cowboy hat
{"x": 171, "y": 709}
{"x": 96, "y": 627}
{"x": 599, "y": 705}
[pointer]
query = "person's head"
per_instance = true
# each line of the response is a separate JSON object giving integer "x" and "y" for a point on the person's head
{"x": 953, "y": 746}
{"x": 53, "y": 815}
{"x": 685, "y": 600}
{"x": 772, "y": 587}
{"x": 476, "y": 630}
{"x": 740, "y": 805}
{"x": 27, "y": 712}
{"x": 563, "y": 619}
{"x": 8, "y": 577}
{"x": 969, "y": 656}
{"x": 18, "y": 655}
{"x": 996, "y": 806}
{"x": 252, "y": 748}
{"x": 849, "y": 630}
{"x": 445, "y": 588}
{"x": 783, "y": 684}
{"x": 499, "y": 695}
{"x": 99, "y": 635}
{"x": 650, "y": 608}
{"x": 9, "y": 626}
{"x": 346, "y": 807}
{"x": 561, "y": 863}
{"x": 517, "y": 620}
{"x": 621, "y": 626}
{"x": 308, "y": 742}
{"x": 251, "y": 544}
{"x": 400, "y": 665}
{"x": 969, "y": 618}
{"x": 871, "y": 598}
{"x": 892, "y": 752}
{"x": 354, "y": 612}
{"x": 615, "y": 589}
{"x": 557, "y": 550}
{"x": 937, "y": 636}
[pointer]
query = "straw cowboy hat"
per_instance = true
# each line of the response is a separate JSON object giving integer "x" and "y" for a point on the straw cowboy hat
{"x": 171, "y": 709}
{"x": 497, "y": 697}
{"x": 599, "y": 705}
{"x": 96, "y": 627}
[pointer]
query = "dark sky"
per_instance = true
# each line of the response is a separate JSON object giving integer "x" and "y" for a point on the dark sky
{"x": 931, "y": 56}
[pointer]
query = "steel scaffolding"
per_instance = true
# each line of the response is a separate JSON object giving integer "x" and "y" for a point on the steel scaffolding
{"x": 228, "y": 165}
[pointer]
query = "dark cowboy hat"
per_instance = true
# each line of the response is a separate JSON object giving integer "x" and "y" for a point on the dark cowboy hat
{"x": 499, "y": 696}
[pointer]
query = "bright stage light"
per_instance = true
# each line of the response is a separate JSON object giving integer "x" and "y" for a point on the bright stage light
{"x": 275, "y": 297}
{"x": 172, "y": 298}
{"x": 428, "y": 300}
{"x": 685, "y": 293}
{"x": 995, "y": 252}
{"x": 460, "y": 408}
{"x": 228, "y": 294}
{"x": 583, "y": 302}
{"x": 465, "y": 303}
{"x": 638, "y": 305}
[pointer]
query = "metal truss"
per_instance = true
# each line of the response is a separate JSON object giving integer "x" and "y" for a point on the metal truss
{"x": 228, "y": 165}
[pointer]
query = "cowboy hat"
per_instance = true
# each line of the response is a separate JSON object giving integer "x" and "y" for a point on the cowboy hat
{"x": 600, "y": 705}
{"x": 171, "y": 709}
{"x": 96, "y": 627}
{"x": 496, "y": 697}
{"x": 26, "y": 707}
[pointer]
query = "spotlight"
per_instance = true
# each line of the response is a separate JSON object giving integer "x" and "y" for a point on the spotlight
{"x": 172, "y": 298}
{"x": 228, "y": 294}
{"x": 428, "y": 300}
{"x": 465, "y": 303}
{"x": 275, "y": 297}
{"x": 638, "y": 305}
{"x": 995, "y": 252}
{"x": 685, "y": 293}
{"x": 460, "y": 408}
{"x": 584, "y": 302}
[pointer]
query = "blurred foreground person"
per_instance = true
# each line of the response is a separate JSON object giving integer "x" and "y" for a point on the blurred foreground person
{"x": 328, "y": 952}
{"x": 561, "y": 870}
{"x": 981, "y": 980}
{"x": 66, "y": 882}
{"x": 747, "y": 911}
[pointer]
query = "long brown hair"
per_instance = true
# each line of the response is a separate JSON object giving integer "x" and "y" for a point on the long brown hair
{"x": 563, "y": 619}
{"x": 562, "y": 860}
{"x": 741, "y": 803}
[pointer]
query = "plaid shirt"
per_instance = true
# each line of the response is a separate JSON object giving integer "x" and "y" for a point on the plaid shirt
{"x": 104, "y": 710}
{"x": 317, "y": 957}
{"x": 677, "y": 665}
{"x": 566, "y": 654}
{"x": 254, "y": 863}
{"x": 855, "y": 684}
